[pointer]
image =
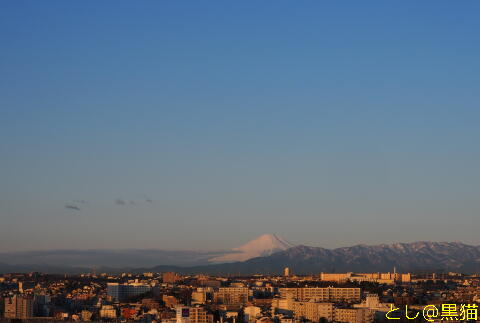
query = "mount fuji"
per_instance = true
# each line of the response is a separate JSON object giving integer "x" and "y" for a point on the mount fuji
{"x": 80, "y": 260}
{"x": 263, "y": 246}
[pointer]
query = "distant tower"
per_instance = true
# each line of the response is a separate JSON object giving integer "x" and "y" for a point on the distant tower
{"x": 286, "y": 272}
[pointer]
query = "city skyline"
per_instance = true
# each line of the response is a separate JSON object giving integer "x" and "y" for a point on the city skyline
{"x": 172, "y": 125}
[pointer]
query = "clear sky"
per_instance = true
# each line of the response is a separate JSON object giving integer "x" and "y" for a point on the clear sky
{"x": 329, "y": 123}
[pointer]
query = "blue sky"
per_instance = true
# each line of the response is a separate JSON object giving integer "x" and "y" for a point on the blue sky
{"x": 328, "y": 123}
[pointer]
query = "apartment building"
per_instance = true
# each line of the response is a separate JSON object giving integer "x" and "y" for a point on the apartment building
{"x": 232, "y": 295}
{"x": 18, "y": 307}
{"x": 322, "y": 294}
{"x": 313, "y": 311}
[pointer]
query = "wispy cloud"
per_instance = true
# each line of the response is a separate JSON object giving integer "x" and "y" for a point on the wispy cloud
{"x": 77, "y": 205}
{"x": 72, "y": 207}
{"x": 148, "y": 200}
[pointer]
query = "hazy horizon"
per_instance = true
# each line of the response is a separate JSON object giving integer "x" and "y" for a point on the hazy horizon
{"x": 169, "y": 125}
{"x": 226, "y": 249}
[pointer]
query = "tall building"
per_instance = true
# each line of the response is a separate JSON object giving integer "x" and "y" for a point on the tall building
{"x": 193, "y": 314}
{"x": 322, "y": 294}
{"x": 382, "y": 278}
{"x": 210, "y": 283}
{"x": 353, "y": 315}
{"x": 170, "y": 301}
{"x": 313, "y": 311}
{"x": 170, "y": 277}
{"x": 19, "y": 307}
{"x": 199, "y": 296}
{"x": 86, "y": 315}
{"x": 232, "y": 295}
{"x": 286, "y": 272}
{"x": 23, "y": 286}
{"x": 372, "y": 302}
{"x": 252, "y": 313}
{"x": 122, "y": 292}
{"x": 2, "y": 306}
{"x": 282, "y": 304}
{"x": 108, "y": 311}
{"x": 335, "y": 277}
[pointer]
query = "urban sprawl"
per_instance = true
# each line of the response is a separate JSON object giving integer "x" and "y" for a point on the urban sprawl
{"x": 172, "y": 298}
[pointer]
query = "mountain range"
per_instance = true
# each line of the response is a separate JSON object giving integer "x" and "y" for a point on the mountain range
{"x": 271, "y": 254}
{"x": 406, "y": 257}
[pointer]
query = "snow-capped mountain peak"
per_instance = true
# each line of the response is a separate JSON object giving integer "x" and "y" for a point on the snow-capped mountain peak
{"x": 264, "y": 245}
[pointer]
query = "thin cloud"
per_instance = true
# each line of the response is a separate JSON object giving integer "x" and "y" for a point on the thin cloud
{"x": 120, "y": 201}
{"x": 148, "y": 200}
{"x": 72, "y": 207}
